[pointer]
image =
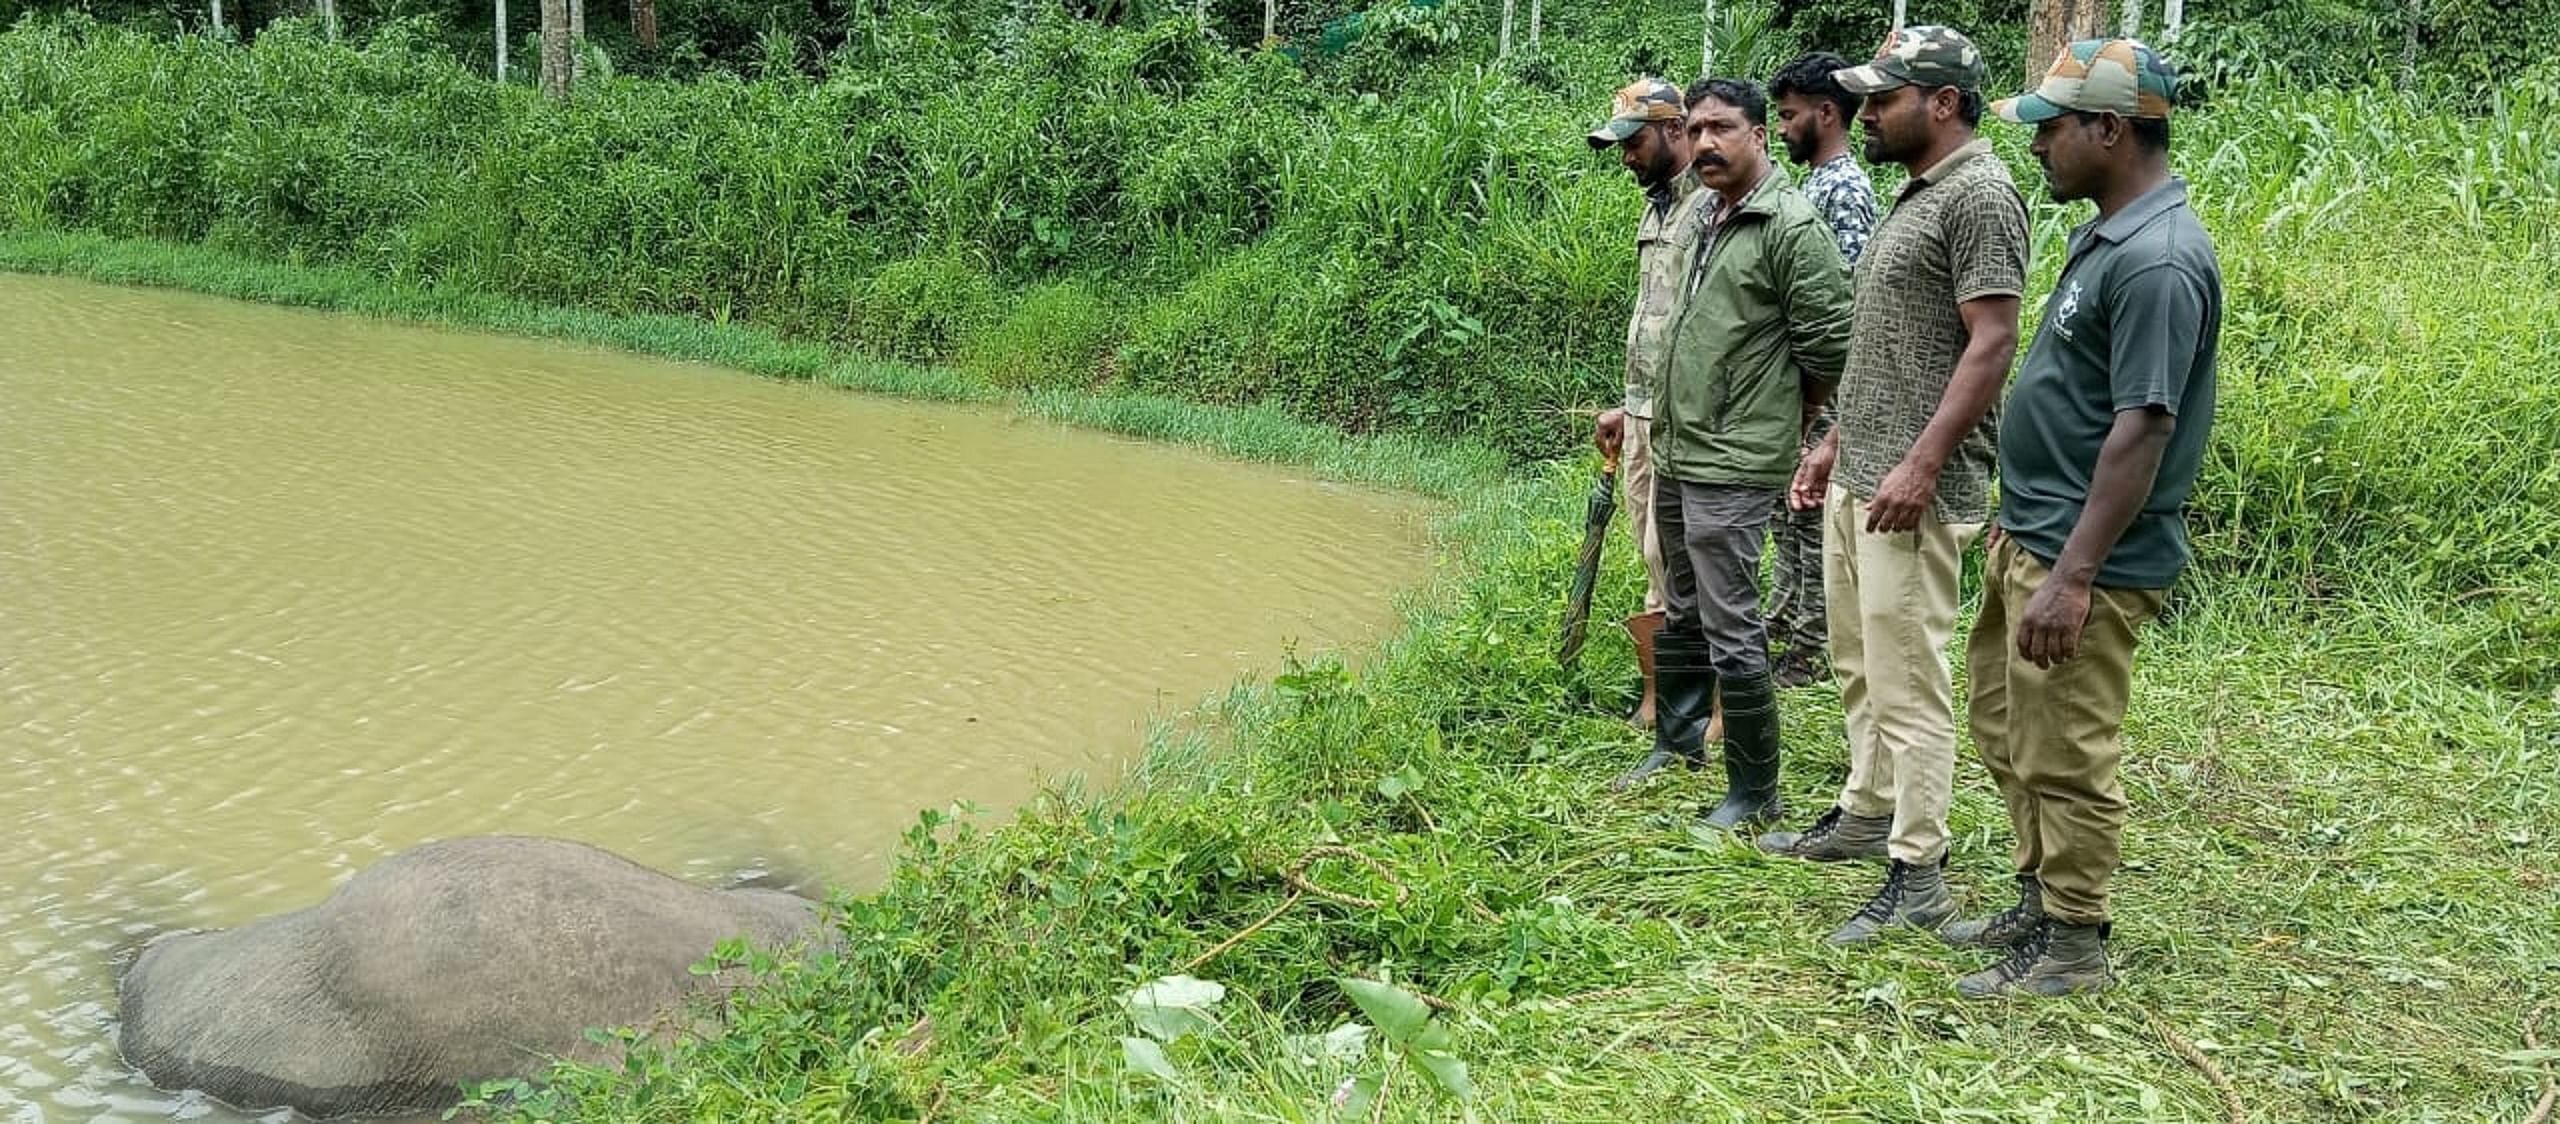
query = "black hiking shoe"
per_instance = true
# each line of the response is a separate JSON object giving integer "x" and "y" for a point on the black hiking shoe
{"x": 2055, "y": 958}
{"x": 1912, "y": 895}
{"x": 2005, "y": 928}
{"x": 1837, "y": 836}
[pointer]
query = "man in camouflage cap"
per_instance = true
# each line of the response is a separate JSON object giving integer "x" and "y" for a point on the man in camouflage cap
{"x": 1906, "y": 471}
{"x": 2104, "y": 434}
{"x": 1645, "y": 126}
{"x": 1927, "y": 55}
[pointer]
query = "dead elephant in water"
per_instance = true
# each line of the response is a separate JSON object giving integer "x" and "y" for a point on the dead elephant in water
{"x": 463, "y": 960}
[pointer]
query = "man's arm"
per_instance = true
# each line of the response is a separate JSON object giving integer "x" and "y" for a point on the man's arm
{"x": 2155, "y": 318}
{"x": 2049, "y": 631}
{"x": 1991, "y": 329}
{"x": 1814, "y": 283}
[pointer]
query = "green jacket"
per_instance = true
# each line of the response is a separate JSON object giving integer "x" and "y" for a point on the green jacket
{"x": 1764, "y": 313}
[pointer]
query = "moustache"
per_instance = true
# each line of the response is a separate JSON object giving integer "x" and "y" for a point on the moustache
{"x": 1711, "y": 160}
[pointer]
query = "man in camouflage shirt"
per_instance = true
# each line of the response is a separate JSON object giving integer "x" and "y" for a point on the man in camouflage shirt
{"x": 1813, "y": 119}
{"x": 1936, "y": 326}
{"x": 1644, "y": 125}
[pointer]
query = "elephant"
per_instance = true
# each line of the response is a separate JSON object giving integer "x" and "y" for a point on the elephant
{"x": 456, "y": 961}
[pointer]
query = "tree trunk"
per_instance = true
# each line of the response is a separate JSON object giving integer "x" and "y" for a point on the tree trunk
{"x": 501, "y": 23}
{"x": 1537, "y": 15}
{"x": 2132, "y": 28}
{"x": 2055, "y": 24}
{"x": 1270, "y": 20}
{"x": 2411, "y": 13}
{"x": 217, "y": 18}
{"x": 555, "y": 49}
{"x": 2173, "y": 15}
{"x": 1502, "y": 47}
{"x": 1707, "y": 42}
{"x": 327, "y": 10}
{"x": 644, "y": 22}
{"x": 577, "y": 39}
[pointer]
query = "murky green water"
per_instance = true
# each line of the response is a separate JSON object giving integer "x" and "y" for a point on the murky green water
{"x": 282, "y": 593}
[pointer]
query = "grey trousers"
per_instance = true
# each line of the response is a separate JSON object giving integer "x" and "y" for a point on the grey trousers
{"x": 1797, "y": 619}
{"x": 1711, "y": 537}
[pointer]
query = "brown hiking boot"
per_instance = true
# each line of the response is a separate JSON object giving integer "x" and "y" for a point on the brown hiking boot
{"x": 1800, "y": 667}
{"x": 2005, "y": 928}
{"x": 1912, "y": 895}
{"x": 2055, "y": 958}
{"x": 1837, "y": 836}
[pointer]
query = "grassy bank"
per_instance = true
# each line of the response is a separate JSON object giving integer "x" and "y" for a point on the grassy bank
{"x": 1392, "y": 460}
{"x": 2340, "y": 891}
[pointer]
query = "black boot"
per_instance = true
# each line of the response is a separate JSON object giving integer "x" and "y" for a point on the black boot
{"x": 1684, "y": 695}
{"x": 1750, "y": 756}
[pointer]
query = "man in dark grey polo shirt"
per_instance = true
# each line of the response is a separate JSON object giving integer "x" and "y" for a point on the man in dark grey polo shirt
{"x": 1936, "y": 326}
{"x": 2105, "y": 432}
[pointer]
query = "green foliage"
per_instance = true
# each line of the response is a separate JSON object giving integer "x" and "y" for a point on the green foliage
{"x": 1059, "y": 336}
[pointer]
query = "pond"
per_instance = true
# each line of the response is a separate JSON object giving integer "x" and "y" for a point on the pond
{"x": 283, "y": 593}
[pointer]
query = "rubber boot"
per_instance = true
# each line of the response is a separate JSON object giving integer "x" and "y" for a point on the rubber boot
{"x": 1684, "y": 684}
{"x": 1751, "y": 749}
{"x": 1641, "y": 628}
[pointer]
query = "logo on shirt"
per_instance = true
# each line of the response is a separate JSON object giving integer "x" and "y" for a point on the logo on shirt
{"x": 2062, "y": 312}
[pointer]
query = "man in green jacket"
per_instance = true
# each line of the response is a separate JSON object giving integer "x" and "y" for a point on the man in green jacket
{"x": 1757, "y": 343}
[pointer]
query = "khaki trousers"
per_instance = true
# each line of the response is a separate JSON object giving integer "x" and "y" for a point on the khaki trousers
{"x": 2051, "y": 736}
{"x": 1635, "y": 473}
{"x": 1892, "y": 610}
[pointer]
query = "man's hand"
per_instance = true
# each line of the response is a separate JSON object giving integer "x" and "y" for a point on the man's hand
{"x": 1813, "y": 475}
{"x": 2049, "y": 632}
{"x": 1902, "y": 499}
{"x": 1610, "y": 431}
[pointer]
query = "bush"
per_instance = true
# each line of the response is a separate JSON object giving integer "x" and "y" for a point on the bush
{"x": 1059, "y": 336}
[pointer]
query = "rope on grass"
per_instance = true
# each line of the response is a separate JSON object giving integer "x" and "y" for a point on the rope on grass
{"x": 2237, "y": 1112}
{"x": 2550, "y": 1085}
{"x": 1299, "y": 886}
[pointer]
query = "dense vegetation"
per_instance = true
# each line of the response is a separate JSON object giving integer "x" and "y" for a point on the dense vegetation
{"x": 2342, "y": 884}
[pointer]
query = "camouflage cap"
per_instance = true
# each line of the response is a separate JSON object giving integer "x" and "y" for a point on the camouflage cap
{"x": 2118, "y": 76}
{"x": 1928, "y": 55}
{"x": 1638, "y": 104}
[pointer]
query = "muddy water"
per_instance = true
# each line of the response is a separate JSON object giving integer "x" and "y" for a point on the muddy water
{"x": 282, "y": 593}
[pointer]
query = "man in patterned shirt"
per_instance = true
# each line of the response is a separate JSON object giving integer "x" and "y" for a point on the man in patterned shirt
{"x": 1936, "y": 325}
{"x": 1813, "y": 118}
